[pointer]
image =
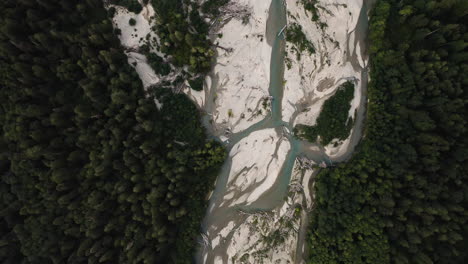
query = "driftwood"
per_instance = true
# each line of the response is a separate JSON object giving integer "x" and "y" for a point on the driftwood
{"x": 228, "y": 50}
{"x": 230, "y": 11}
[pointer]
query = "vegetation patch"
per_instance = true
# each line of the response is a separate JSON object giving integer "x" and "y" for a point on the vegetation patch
{"x": 131, "y": 5}
{"x": 155, "y": 61}
{"x": 197, "y": 83}
{"x": 212, "y": 7}
{"x": 183, "y": 36}
{"x": 295, "y": 35}
{"x": 333, "y": 121}
{"x": 311, "y": 6}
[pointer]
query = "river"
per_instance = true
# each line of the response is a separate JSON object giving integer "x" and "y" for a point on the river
{"x": 218, "y": 215}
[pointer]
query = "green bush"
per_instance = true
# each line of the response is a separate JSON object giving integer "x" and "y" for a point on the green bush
{"x": 111, "y": 12}
{"x": 197, "y": 84}
{"x": 311, "y": 6}
{"x": 131, "y": 5}
{"x": 295, "y": 35}
{"x": 212, "y": 7}
{"x": 333, "y": 121}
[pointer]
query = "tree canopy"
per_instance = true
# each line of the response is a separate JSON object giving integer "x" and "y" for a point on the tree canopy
{"x": 403, "y": 198}
{"x": 91, "y": 171}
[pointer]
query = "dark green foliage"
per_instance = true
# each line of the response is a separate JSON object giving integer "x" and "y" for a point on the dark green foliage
{"x": 403, "y": 198}
{"x": 132, "y": 22}
{"x": 111, "y": 12}
{"x": 131, "y": 5}
{"x": 185, "y": 46}
{"x": 91, "y": 171}
{"x": 333, "y": 121}
{"x": 197, "y": 84}
{"x": 157, "y": 63}
{"x": 183, "y": 33}
{"x": 178, "y": 114}
{"x": 212, "y": 7}
{"x": 295, "y": 35}
{"x": 311, "y": 6}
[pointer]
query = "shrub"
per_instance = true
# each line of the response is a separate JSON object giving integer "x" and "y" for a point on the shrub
{"x": 197, "y": 84}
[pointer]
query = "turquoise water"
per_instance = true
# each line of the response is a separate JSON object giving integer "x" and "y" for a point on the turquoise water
{"x": 275, "y": 196}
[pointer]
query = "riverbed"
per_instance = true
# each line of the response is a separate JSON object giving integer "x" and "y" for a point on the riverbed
{"x": 257, "y": 174}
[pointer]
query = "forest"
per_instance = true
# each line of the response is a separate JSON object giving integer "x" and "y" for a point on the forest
{"x": 91, "y": 170}
{"x": 333, "y": 121}
{"x": 403, "y": 198}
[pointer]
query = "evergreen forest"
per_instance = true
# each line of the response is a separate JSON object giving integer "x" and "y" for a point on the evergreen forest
{"x": 91, "y": 170}
{"x": 403, "y": 198}
{"x": 95, "y": 168}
